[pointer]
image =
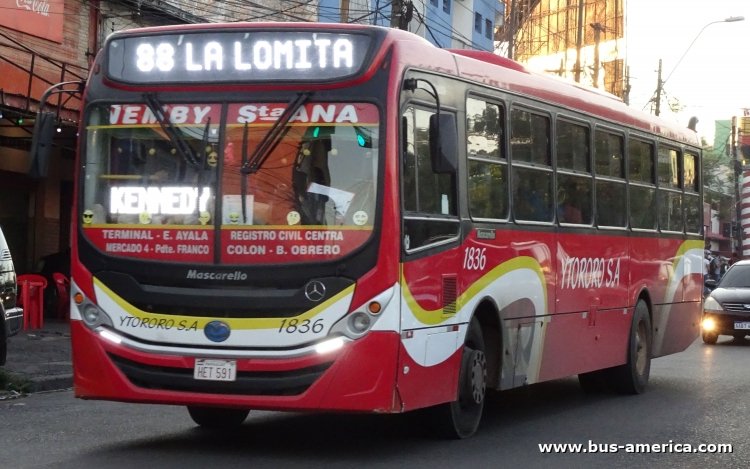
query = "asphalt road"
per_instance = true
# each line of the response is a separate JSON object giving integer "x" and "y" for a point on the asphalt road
{"x": 698, "y": 396}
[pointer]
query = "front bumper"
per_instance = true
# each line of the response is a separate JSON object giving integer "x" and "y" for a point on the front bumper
{"x": 358, "y": 377}
{"x": 13, "y": 320}
{"x": 727, "y": 323}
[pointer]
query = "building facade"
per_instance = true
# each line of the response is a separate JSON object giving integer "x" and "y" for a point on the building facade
{"x": 580, "y": 40}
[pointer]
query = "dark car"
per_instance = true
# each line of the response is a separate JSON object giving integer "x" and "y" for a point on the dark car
{"x": 726, "y": 310}
{"x": 11, "y": 316}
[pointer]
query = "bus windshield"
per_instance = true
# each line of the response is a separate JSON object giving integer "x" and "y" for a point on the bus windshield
{"x": 152, "y": 172}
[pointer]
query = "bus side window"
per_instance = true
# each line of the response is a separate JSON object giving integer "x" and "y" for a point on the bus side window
{"x": 487, "y": 166}
{"x": 532, "y": 178}
{"x": 691, "y": 198}
{"x": 669, "y": 172}
{"x": 424, "y": 191}
{"x": 609, "y": 157}
{"x": 642, "y": 184}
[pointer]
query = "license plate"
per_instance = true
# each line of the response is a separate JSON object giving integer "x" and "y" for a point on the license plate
{"x": 742, "y": 325}
{"x": 215, "y": 370}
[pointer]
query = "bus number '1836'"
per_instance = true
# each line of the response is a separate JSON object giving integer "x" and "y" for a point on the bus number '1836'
{"x": 296, "y": 326}
{"x": 475, "y": 258}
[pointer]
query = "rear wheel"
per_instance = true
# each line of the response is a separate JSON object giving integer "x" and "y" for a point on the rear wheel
{"x": 709, "y": 338}
{"x": 460, "y": 419}
{"x": 632, "y": 377}
{"x": 215, "y": 417}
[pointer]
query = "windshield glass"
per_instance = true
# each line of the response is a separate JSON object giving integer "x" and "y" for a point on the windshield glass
{"x": 736, "y": 277}
{"x": 166, "y": 190}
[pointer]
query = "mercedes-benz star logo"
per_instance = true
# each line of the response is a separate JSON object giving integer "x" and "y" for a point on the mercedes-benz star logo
{"x": 315, "y": 290}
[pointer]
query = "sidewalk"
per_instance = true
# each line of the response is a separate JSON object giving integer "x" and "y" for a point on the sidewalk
{"x": 41, "y": 357}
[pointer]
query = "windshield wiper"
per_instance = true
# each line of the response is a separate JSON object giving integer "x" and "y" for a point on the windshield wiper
{"x": 185, "y": 151}
{"x": 243, "y": 180}
{"x": 273, "y": 137}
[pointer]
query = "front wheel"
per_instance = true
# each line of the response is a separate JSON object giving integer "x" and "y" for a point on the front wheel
{"x": 460, "y": 419}
{"x": 215, "y": 417}
{"x": 632, "y": 377}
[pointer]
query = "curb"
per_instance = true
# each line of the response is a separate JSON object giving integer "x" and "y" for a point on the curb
{"x": 51, "y": 383}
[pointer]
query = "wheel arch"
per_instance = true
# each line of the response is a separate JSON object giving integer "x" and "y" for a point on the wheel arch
{"x": 644, "y": 295}
{"x": 488, "y": 316}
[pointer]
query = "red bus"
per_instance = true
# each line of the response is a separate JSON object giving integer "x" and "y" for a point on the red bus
{"x": 339, "y": 217}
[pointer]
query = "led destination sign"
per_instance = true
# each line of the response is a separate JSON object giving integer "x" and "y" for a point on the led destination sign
{"x": 225, "y": 56}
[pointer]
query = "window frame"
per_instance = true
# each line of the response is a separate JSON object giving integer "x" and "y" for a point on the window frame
{"x": 502, "y": 160}
{"x": 515, "y": 165}
{"x": 566, "y": 172}
{"x": 667, "y": 188}
{"x": 419, "y": 215}
{"x": 646, "y": 185}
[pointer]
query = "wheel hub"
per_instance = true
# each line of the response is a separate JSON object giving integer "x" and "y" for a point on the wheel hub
{"x": 477, "y": 375}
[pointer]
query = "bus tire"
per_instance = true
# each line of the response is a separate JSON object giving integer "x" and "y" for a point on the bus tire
{"x": 215, "y": 417}
{"x": 460, "y": 419}
{"x": 632, "y": 377}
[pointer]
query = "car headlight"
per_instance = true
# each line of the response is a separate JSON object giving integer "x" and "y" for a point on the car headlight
{"x": 710, "y": 304}
{"x": 708, "y": 324}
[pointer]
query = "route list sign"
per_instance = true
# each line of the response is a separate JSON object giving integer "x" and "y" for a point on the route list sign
{"x": 245, "y": 245}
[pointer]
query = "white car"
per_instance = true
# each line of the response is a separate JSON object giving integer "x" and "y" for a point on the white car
{"x": 11, "y": 316}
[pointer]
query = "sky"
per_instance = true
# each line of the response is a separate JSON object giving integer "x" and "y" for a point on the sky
{"x": 712, "y": 81}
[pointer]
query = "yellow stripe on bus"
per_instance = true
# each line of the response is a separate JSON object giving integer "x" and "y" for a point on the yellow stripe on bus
{"x": 435, "y": 317}
{"x": 234, "y": 323}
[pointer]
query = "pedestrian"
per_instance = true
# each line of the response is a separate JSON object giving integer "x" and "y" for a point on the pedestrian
{"x": 714, "y": 267}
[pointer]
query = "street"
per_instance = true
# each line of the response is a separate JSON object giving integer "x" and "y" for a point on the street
{"x": 698, "y": 396}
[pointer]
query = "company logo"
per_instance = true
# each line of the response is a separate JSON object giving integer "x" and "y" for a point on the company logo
{"x": 203, "y": 275}
{"x": 315, "y": 290}
{"x": 217, "y": 331}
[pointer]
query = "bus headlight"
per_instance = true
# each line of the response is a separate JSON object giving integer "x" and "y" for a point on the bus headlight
{"x": 90, "y": 314}
{"x": 358, "y": 322}
{"x": 93, "y": 316}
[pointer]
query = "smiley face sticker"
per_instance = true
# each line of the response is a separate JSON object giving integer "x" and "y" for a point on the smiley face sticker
{"x": 88, "y": 217}
{"x": 204, "y": 217}
{"x": 360, "y": 217}
{"x": 293, "y": 217}
{"x": 144, "y": 218}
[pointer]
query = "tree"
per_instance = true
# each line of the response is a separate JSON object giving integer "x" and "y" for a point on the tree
{"x": 718, "y": 180}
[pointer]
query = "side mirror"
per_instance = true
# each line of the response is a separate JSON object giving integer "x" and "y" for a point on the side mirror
{"x": 443, "y": 143}
{"x": 710, "y": 283}
{"x": 41, "y": 143}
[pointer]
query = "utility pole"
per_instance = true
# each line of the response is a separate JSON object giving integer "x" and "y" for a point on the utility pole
{"x": 344, "y": 11}
{"x": 659, "y": 83}
{"x": 737, "y": 164}
{"x": 598, "y": 29}
{"x": 511, "y": 28}
{"x": 579, "y": 39}
{"x": 626, "y": 87}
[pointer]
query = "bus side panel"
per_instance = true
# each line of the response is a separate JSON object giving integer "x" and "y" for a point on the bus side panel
{"x": 669, "y": 271}
{"x": 581, "y": 342}
{"x": 423, "y": 386}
